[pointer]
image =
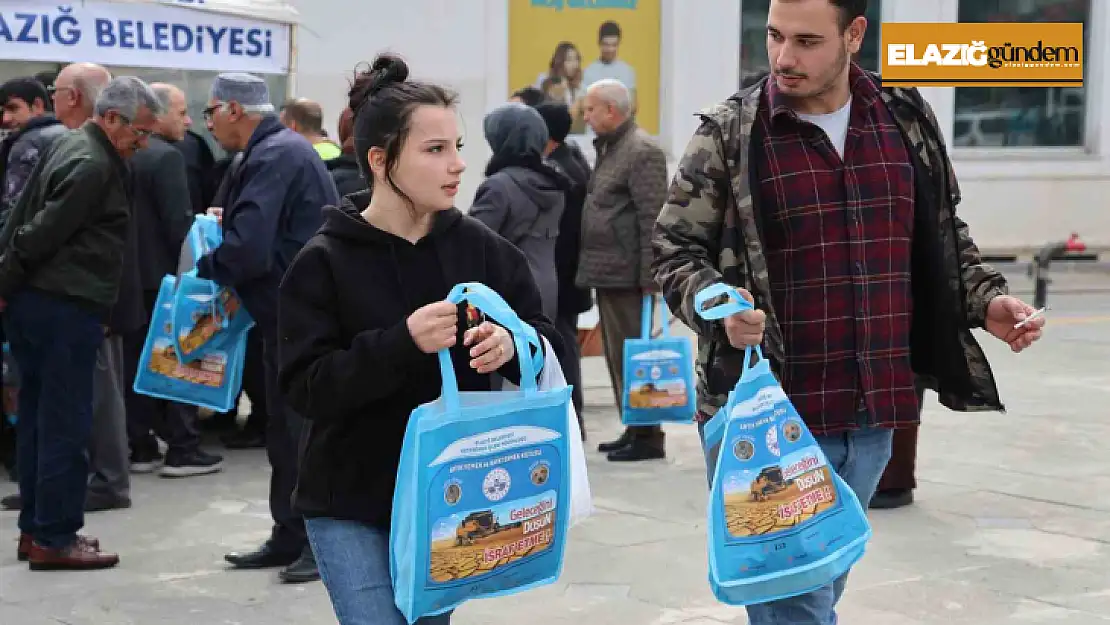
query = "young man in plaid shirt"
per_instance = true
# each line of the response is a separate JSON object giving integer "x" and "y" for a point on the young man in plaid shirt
{"x": 831, "y": 201}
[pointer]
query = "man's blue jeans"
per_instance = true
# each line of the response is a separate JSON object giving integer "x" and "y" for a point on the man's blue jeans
{"x": 859, "y": 457}
{"x": 54, "y": 343}
{"x": 354, "y": 564}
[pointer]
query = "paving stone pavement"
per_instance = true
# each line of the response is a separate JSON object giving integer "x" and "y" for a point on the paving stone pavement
{"x": 1011, "y": 525}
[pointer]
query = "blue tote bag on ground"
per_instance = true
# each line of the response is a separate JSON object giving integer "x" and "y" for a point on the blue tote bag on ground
{"x": 658, "y": 374}
{"x": 481, "y": 506}
{"x": 781, "y": 521}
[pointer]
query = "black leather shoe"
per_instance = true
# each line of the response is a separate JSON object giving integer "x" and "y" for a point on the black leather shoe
{"x": 266, "y": 557}
{"x": 624, "y": 440}
{"x": 635, "y": 452}
{"x": 890, "y": 499}
{"x": 12, "y": 502}
{"x": 244, "y": 439}
{"x": 303, "y": 570}
{"x": 101, "y": 503}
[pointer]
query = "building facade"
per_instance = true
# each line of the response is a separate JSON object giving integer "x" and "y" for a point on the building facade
{"x": 1033, "y": 163}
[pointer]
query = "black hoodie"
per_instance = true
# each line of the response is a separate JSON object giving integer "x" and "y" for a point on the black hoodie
{"x": 348, "y": 362}
{"x": 344, "y": 171}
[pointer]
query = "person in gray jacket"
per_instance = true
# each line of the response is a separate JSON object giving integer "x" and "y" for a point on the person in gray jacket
{"x": 523, "y": 196}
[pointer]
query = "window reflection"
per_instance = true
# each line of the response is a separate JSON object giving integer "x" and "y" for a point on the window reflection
{"x": 1022, "y": 116}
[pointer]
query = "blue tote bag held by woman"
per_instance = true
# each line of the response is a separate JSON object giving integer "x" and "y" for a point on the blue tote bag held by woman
{"x": 658, "y": 374}
{"x": 781, "y": 522}
{"x": 481, "y": 505}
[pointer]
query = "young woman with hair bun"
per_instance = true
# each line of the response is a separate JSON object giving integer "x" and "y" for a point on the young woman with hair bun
{"x": 363, "y": 315}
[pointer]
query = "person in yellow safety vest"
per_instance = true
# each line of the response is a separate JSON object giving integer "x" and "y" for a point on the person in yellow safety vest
{"x": 306, "y": 118}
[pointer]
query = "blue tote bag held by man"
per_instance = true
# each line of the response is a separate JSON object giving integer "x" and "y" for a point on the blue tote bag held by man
{"x": 781, "y": 522}
{"x": 206, "y": 317}
{"x": 658, "y": 374}
{"x": 210, "y": 372}
{"x": 481, "y": 505}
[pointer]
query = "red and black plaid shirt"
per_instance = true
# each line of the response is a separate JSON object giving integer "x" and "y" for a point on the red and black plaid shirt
{"x": 837, "y": 237}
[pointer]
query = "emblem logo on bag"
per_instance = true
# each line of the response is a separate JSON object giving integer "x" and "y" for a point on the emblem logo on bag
{"x": 496, "y": 485}
{"x": 452, "y": 493}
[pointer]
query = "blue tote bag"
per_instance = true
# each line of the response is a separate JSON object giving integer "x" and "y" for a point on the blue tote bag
{"x": 196, "y": 345}
{"x": 781, "y": 522}
{"x": 658, "y": 374}
{"x": 212, "y": 381}
{"x": 205, "y": 317}
{"x": 481, "y": 506}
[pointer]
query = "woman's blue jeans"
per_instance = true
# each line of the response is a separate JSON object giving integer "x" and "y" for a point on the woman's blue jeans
{"x": 354, "y": 564}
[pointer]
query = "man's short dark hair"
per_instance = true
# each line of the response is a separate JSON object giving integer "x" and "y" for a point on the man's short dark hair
{"x": 608, "y": 29}
{"x": 557, "y": 117}
{"x": 307, "y": 114}
{"x": 26, "y": 89}
{"x": 849, "y": 11}
{"x": 530, "y": 95}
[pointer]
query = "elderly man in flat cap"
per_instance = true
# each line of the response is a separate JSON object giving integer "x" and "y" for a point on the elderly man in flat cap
{"x": 274, "y": 204}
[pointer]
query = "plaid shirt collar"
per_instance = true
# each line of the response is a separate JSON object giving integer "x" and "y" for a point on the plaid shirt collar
{"x": 863, "y": 88}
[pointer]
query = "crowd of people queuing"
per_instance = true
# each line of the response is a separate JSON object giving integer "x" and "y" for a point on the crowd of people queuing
{"x": 343, "y": 251}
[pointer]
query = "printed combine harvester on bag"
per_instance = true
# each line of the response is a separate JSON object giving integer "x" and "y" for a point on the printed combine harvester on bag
{"x": 196, "y": 344}
{"x": 781, "y": 522}
{"x": 658, "y": 374}
{"x": 481, "y": 506}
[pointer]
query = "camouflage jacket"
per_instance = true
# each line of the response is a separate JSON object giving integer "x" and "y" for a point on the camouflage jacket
{"x": 709, "y": 231}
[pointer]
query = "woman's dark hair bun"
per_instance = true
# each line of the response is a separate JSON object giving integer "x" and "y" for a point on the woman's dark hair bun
{"x": 386, "y": 70}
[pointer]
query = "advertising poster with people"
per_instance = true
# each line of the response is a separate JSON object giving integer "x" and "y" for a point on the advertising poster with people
{"x": 562, "y": 46}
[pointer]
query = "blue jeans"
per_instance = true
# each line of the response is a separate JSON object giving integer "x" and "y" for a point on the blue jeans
{"x": 859, "y": 457}
{"x": 354, "y": 564}
{"x": 54, "y": 343}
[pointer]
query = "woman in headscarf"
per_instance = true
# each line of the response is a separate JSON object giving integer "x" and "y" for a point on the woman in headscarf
{"x": 523, "y": 195}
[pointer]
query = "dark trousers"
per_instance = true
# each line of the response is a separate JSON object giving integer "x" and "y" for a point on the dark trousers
{"x": 109, "y": 469}
{"x": 254, "y": 386}
{"x": 55, "y": 344}
{"x": 900, "y": 470}
{"x": 572, "y": 368}
{"x": 254, "y": 383}
{"x": 175, "y": 423}
{"x": 285, "y": 434}
{"x": 620, "y": 311}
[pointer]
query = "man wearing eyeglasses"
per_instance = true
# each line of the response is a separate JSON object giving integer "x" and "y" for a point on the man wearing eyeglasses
{"x": 61, "y": 262}
{"x": 75, "y": 91}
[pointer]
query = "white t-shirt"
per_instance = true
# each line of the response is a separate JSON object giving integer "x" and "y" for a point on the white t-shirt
{"x": 617, "y": 69}
{"x": 834, "y": 124}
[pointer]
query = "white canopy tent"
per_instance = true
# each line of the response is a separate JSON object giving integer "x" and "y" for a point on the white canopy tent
{"x": 273, "y": 10}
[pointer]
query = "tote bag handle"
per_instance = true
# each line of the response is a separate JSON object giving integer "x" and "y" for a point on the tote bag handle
{"x": 735, "y": 304}
{"x": 525, "y": 338}
{"x": 645, "y": 317}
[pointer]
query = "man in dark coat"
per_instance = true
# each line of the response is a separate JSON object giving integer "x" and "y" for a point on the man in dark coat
{"x": 162, "y": 216}
{"x": 274, "y": 205}
{"x": 573, "y": 300}
{"x": 61, "y": 259}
